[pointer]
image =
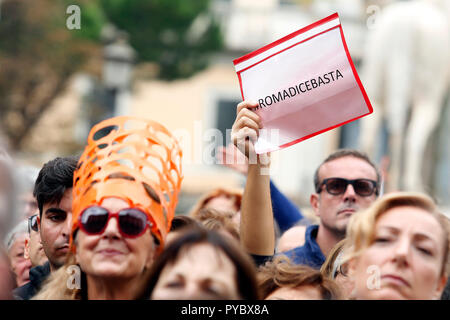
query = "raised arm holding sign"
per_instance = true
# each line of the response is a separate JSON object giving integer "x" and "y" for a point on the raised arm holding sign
{"x": 257, "y": 231}
{"x": 300, "y": 86}
{"x": 304, "y": 84}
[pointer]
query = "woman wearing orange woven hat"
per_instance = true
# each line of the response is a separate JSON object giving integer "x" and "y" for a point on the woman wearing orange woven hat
{"x": 125, "y": 192}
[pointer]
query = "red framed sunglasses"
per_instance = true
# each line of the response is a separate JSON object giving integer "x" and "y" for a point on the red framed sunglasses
{"x": 132, "y": 222}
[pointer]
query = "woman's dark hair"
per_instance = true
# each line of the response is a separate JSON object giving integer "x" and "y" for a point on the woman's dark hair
{"x": 245, "y": 268}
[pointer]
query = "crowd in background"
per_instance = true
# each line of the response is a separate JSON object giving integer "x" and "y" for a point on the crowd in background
{"x": 103, "y": 226}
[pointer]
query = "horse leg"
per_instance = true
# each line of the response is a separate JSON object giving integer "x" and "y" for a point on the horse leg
{"x": 424, "y": 119}
{"x": 430, "y": 83}
{"x": 398, "y": 95}
{"x": 370, "y": 126}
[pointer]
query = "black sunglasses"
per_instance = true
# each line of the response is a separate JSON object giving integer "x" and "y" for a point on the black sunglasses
{"x": 338, "y": 186}
{"x": 32, "y": 223}
{"x": 132, "y": 221}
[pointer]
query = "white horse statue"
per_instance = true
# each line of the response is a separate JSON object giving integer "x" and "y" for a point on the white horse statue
{"x": 406, "y": 67}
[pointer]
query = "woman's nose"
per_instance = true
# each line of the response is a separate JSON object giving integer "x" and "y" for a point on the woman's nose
{"x": 401, "y": 251}
{"x": 112, "y": 228}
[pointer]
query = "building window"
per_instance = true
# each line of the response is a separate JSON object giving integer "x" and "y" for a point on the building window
{"x": 224, "y": 116}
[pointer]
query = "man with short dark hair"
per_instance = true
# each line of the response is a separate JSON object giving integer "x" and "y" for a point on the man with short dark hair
{"x": 53, "y": 192}
{"x": 345, "y": 182}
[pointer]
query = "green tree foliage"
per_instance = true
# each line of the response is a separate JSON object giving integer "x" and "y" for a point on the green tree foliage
{"x": 39, "y": 54}
{"x": 177, "y": 35}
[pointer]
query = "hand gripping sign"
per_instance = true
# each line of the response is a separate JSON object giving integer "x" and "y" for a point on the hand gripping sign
{"x": 304, "y": 83}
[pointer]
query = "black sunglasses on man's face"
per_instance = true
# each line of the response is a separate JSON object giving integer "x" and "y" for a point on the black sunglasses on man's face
{"x": 32, "y": 223}
{"x": 338, "y": 186}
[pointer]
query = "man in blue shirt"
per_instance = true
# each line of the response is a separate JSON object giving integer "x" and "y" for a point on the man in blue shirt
{"x": 346, "y": 182}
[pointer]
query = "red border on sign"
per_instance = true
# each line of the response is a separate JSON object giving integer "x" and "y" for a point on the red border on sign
{"x": 319, "y": 132}
{"x": 289, "y": 36}
{"x": 355, "y": 74}
{"x": 282, "y": 50}
{"x": 366, "y": 98}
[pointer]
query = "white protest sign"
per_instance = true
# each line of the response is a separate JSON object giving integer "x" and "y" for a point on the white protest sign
{"x": 304, "y": 83}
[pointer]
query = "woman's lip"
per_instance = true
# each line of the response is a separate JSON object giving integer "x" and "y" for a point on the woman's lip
{"x": 110, "y": 252}
{"x": 396, "y": 279}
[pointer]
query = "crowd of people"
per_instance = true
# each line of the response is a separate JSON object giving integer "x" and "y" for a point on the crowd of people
{"x": 103, "y": 226}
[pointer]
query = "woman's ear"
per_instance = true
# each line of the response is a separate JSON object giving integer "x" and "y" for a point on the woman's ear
{"x": 442, "y": 282}
{"x": 149, "y": 262}
{"x": 150, "y": 259}
{"x": 351, "y": 264}
{"x": 26, "y": 252}
{"x": 351, "y": 276}
{"x": 155, "y": 249}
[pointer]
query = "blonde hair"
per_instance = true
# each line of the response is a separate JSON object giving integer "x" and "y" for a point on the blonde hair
{"x": 281, "y": 272}
{"x": 203, "y": 201}
{"x": 213, "y": 220}
{"x": 55, "y": 286}
{"x": 328, "y": 268}
{"x": 361, "y": 228}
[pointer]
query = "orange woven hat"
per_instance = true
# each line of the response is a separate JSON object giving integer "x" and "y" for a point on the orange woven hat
{"x": 136, "y": 160}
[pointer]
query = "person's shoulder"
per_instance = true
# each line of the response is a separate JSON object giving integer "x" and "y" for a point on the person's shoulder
{"x": 24, "y": 292}
{"x": 260, "y": 260}
{"x": 40, "y": 271}
{"x": 294, "y": 253}
{"x": 311, "y": 233}
{"x": 312, "y": 228}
